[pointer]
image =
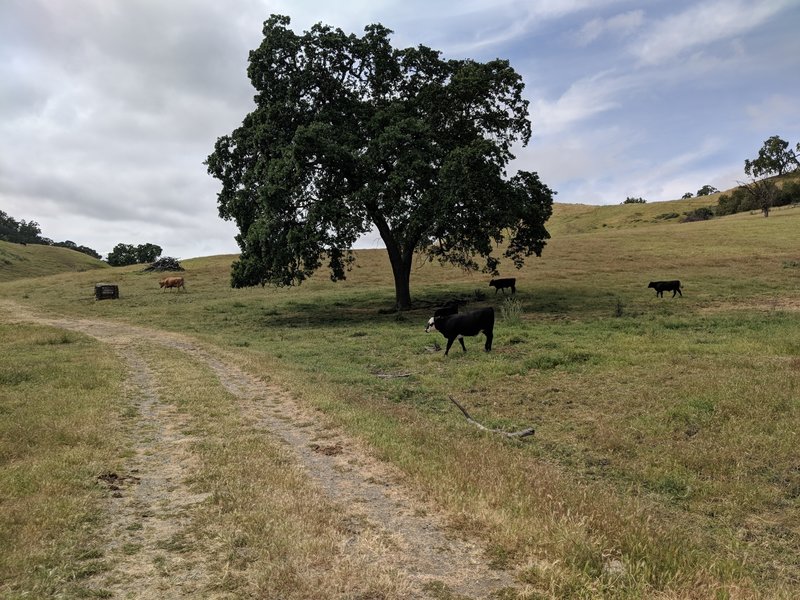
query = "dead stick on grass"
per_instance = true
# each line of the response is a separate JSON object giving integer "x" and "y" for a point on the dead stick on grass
{"x": 514, "y": 434}
{"x": 392, "y": 375}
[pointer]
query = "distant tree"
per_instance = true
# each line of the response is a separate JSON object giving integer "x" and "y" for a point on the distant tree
{"x": 630, "y": 200}
{"x": 127, "y": 254}
{"x": 762, "y": 193}
{"x": 687, "y": 195}
{"x": 349, "y": 133}
{"x": 789, "y": 193}
{"x": 707, "y": 190}
{"x": 147, "y": 253}
{"x": 73, "y": 246}
{"x": 121, "y": 255}
{"x": 20, "y": 232}
{"x": 737, "y": 201}
{"x": 89, "y": 251}
{"x": 774, "y": 158}
{"x": 8, "y": 227}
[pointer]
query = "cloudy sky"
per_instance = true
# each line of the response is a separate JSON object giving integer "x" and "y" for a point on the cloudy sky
{"x": 108, "y": 108}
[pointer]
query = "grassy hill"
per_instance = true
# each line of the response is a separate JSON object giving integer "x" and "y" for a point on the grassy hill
{"x": 665, "y": 457}
{"x": 583, "y": 218}
{"x": 35, "y": 260}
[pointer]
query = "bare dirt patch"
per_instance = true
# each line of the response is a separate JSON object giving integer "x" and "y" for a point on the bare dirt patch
{"x": 152, "y": 557}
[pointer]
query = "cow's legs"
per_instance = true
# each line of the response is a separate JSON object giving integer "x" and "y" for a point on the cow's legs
{"x": 461, "y": 340}
{"x": 489, "y": 336}
{"x": 449, "y": 343}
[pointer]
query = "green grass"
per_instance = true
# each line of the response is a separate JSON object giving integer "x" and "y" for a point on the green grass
{"x": 59, "y": 418}
{"x": 664, "y": 460}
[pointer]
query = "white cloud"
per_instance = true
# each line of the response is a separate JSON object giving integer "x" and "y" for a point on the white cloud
{"x": 109, "y": 107}
{"x": 773, "y": 112}
{"x": 618, "y": 25}
{"x": 583, "y": 99}
{"x": 701, "y": 25}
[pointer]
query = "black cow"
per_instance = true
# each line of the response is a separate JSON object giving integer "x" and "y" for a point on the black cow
{"x": 502, "y": 284}
{"x": 456, "y": 326}
{"x": 666, "y": 286}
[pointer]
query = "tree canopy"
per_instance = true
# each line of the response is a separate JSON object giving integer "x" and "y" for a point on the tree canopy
{"x": 774, "y": 158}
{"x": 128, "y": 254}
{"x": 350, "y": 133}
{"x": 29, "y": 232}
{"x": 21, "y": 232}
{"x": 707, "y": 190}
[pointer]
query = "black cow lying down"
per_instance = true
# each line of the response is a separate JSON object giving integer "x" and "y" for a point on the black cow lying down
{"x": 456, "y": 326}
{"x": 666, "y": 286}
{"x": 502, "y": 284}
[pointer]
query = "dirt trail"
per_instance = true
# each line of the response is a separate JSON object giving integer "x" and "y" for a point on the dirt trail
{"x": 156, "y": 498}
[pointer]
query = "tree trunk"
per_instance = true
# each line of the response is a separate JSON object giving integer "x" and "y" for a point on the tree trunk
{"x": 401, "y": 269}
{"x": 401, "y": 263}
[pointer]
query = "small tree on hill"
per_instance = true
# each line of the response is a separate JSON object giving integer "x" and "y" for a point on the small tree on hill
{"x": 630, "y": 200}
{"x": 774, "y": 158}
{"x": 707, "y": 190}
{"x": 687, "y": 195}
{"x": 762, "y": 193}
{"x": 350, "y": 133}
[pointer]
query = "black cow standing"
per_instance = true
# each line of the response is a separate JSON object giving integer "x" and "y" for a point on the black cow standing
{"x": 502, "y": 284}
{"x": 456, "y": 326}
{"x": 666, "y": 286}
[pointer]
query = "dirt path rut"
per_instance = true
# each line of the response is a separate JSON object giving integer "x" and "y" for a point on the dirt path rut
{"x": 156, "y": 497}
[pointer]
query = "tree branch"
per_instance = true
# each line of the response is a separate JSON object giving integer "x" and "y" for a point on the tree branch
{"x": 515, "y": 434}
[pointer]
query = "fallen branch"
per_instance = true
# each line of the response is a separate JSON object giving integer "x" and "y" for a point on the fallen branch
{"x": 515, "y": 434}
{"x": 392, "y": 375}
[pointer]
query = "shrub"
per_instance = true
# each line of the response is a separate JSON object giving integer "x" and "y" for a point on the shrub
{"x": 704, "y": 213}
{"x": 669, "y": 215}
{"x": 167, "y": 263}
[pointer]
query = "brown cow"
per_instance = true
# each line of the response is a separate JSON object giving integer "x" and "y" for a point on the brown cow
{"x": 172, "y": 282}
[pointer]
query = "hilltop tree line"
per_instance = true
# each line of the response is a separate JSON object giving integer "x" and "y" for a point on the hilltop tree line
{"x": 29, "y": 232}
{"x": 775, "y": 158}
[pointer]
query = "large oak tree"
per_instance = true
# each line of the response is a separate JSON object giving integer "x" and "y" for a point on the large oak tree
{"x": 350, "y": 133}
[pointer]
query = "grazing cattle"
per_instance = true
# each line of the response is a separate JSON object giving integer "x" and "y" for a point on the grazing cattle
{"x": 458, "y": 325}
{"x": 450, "y": 308}
{"x": 666, "y": 286}
{"x": 502, "y": 284}
{"x": 172, "y": 282}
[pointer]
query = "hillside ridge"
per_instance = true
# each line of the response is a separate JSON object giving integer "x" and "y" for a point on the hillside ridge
{"x": 18, "y": 261}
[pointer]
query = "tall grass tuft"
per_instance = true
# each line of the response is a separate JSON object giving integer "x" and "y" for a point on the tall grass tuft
{"x": 511, "y": 311}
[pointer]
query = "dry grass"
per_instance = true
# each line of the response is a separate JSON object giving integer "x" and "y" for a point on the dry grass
{"x": 34, "y": 260}
{"x": 664, "y": 462}
{"x": 59, "y": 428}
{"x": 270, "y": 532}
